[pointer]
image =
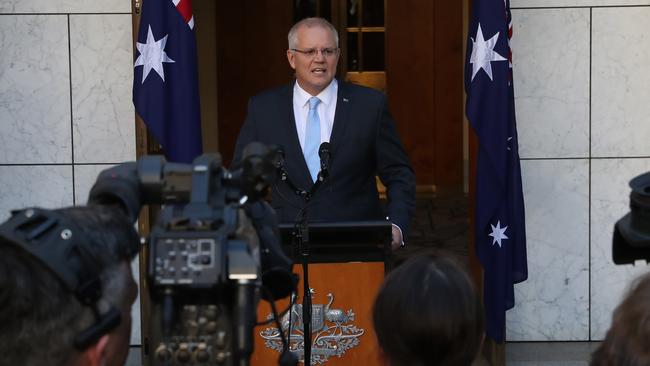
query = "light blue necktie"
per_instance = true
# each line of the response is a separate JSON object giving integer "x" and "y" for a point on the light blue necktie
{"x": 312, "y": 139}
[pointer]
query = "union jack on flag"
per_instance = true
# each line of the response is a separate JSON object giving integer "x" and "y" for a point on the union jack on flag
{"x": 185, "y": 8}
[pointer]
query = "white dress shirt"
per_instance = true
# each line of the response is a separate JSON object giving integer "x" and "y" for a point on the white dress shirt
{"x": 325, "y": 109}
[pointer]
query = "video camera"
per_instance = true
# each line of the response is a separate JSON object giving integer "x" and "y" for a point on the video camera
{"x": 632, "y": 232}
{"x": 214, "y": 247}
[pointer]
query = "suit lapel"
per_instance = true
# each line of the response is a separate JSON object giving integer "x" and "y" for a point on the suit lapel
{"x": 343, "y": 103}
{"x": 299, "y": 170}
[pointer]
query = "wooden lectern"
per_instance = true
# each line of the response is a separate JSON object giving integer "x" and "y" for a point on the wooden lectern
{"x": 347, "y": 263}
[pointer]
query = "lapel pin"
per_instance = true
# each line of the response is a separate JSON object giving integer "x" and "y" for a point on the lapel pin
{"x": 346, "y": 99}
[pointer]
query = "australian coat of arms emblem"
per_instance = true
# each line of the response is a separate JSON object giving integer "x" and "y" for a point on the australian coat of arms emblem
{"x": 333, "y": 332}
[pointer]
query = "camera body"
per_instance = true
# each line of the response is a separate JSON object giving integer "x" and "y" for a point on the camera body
{"x": 195, "y": 280}
{"x": 204, "y": 257}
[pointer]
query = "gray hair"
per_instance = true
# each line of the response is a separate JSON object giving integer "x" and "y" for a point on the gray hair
{"x": 310, "y": 23}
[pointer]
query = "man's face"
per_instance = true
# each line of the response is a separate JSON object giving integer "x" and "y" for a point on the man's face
{"x": 119, "y": 341}
{"x": 314, "y": 73}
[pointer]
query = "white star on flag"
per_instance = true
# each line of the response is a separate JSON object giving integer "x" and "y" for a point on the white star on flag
{"x": 498, "y": 233}
{"x": 483, "y": 53}
{"x": 152, "y": 56}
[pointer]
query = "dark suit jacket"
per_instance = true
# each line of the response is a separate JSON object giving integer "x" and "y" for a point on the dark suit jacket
{"x": 364, "y": 143}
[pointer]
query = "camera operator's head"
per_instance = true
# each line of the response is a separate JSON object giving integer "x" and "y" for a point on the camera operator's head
{"x": 627, "y": 342}
{"x": 428, "y": 313}
{"x": 66, "y": 286}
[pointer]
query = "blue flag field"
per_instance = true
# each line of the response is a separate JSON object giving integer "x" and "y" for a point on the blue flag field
{"x": 165, "y": 81}
{"x": 500, "y": 230}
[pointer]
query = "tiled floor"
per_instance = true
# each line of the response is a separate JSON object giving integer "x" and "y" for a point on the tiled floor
{"x": 517, "y": 354}
{"x": 549, "y": 353}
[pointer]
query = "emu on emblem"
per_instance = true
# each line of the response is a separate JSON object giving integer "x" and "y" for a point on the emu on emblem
{"x": 333, "y": 332}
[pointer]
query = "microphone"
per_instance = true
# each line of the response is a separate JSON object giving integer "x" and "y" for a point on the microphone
{"x": 278, "y": 156}
{"x": 324, "y": 154}
{"x": 278, "y": 162}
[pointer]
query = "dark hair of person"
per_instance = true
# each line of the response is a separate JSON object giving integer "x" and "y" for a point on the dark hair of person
{"x": 39, "y": 317}
{"x": 627, "y": 342}
{"x": 428, "y": 313}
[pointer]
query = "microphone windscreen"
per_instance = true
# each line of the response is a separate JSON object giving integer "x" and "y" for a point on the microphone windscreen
{"x": 277, "y": 152}
{"x": 280, "y": 282}
{"x": 277, "y": 149}
{"x": 254, "y": 149}
{"x": 324, "y": 149}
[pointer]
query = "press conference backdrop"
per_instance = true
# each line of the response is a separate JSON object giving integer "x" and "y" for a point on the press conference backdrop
{"x": 68, "y": 113}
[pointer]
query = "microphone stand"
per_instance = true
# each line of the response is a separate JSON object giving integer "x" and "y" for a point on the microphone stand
{"x": 302, "y": 239}
{"x": 303, "y": 246}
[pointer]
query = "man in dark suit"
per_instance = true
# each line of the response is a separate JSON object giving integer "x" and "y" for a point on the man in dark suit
{"x": 355, "y": 120}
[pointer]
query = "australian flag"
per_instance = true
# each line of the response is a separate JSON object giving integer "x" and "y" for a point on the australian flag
{"x": 500, "y": 225}
{"x": 165, "y": 82}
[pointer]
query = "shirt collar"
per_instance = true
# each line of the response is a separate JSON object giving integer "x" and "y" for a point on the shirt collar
{"x": 326, "y": 96}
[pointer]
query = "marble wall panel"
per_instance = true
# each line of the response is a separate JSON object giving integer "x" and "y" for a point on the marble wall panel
{"x": 620, "y": 82}
{"x": 47, "y": 186}
{"x": 553, "y": 303}
{"x": 551, "y": 74}
{"x": 65, "y": 6}
{"x": 609, "y": 202}
{"x": 34, "y": 89}
{"x": 102, "y": 74}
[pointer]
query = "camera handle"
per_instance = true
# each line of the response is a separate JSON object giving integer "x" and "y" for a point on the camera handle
{"x": 244, "y": 320}
{"x": 243, "y": 272}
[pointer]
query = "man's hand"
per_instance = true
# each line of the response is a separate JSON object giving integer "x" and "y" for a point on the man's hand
{"x": 397, "y": 238}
